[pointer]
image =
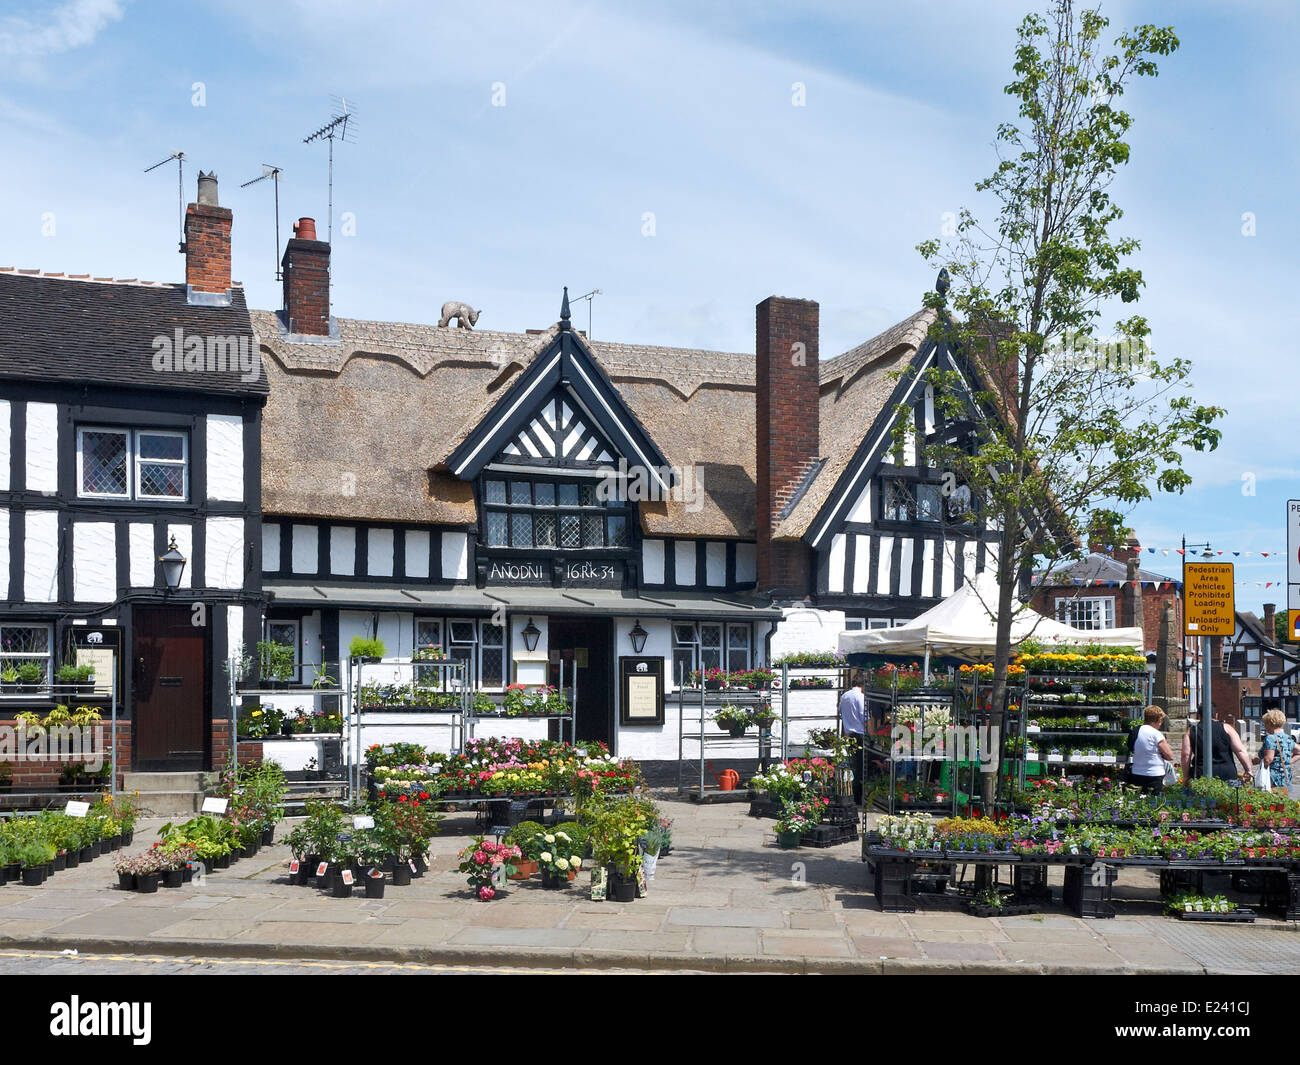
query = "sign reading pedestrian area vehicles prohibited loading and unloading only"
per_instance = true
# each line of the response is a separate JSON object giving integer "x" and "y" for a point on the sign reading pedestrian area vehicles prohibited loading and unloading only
{"x": 1209, "y": 607}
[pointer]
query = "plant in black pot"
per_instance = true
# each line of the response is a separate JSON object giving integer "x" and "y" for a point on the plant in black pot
{"x": 370, "y": 649}
{"x": 616, "y": 831}
{"x": 31, "y": 675}
{"x": 275, "y": 663}
{"x": 80, "y": 679}
{"x": 33, "y": 856}
{"x": 733, "y": 719}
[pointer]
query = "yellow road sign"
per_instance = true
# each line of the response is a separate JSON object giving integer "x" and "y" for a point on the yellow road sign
{"x": 1209, "y": 608}
{"x": 1292, "y": 626}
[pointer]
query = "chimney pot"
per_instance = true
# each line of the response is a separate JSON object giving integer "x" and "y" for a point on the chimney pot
{"x": 305, "y": 229}
{"x": 208, "y": 188}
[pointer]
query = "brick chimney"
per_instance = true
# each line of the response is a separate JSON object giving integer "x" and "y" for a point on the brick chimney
{"x": 1270, "y": 610}
{"x": 306, "y": 265}
{"x": 207, "y": 246}
{"x": 787, "y": 422}
{"x": 1130, "y": 550}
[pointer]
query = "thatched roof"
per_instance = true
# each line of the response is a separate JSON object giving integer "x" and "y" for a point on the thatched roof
{"x": 390, "y": 401}
{"x": 360, "y": 429}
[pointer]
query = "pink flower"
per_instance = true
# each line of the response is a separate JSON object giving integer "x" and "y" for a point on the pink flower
{"x": 480, "y": 857}
{"x": 486, "y": 893}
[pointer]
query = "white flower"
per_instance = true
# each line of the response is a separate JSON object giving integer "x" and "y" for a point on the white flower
{"x": 561, "y": 835}
{"x": 549, "y": 839}
{"x": 561, "y": 864}
{"x": 576, "y": 862}
{"x": 546, "y": 856}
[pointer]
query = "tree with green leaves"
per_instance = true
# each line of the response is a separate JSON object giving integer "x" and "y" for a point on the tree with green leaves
{"x": 1075, "y": 429}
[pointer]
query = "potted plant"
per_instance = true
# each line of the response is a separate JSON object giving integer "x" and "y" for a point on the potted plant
{"x": 33, "y": 856}
{"x": 527, "y": 837}
{"x": 80, "y": 678}
{"x": 275, "y": 663}
{"x": 652, "y": 842}
{"x": 559, "y": 863}
{"x": 487, "y": 864}
{"x": 733, "y": 719}
{"x": 9, "y": 679}
{"x": 31, "y": 675}
{"x": 368, "y": 649}
{"x": 616, "y": 830}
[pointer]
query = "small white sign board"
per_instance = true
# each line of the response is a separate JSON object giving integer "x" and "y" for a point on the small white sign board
{"x": 360, "y": 821}
{"x": 76, "y": 809}
{"x": 213, "y": 805}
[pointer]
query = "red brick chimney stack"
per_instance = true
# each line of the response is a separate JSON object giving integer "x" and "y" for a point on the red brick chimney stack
{"x": 207, "y": 241}
{"x": 788, "y": 432}
{"x": 306, "y": 265}
{"x": 1270, "y": 612}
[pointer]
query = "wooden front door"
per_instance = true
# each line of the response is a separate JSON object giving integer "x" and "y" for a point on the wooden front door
{"x": 169, "y": 683}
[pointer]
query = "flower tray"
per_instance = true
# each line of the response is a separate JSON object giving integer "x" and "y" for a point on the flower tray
{"x": 824, "y": 835}
{"x": 1237, "y": 916}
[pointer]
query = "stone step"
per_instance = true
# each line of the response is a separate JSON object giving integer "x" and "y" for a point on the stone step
{"x": 162, "y": 782}
{"x": 169, "y": 803}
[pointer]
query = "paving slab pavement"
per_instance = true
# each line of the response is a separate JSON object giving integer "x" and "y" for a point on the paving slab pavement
{"x": 726, "y": 899}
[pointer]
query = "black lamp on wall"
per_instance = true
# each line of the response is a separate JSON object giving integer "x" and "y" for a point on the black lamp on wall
{"x": 173, "y": 565}
{"x": 531, "y": 633}
{"x": 638, "y": 636}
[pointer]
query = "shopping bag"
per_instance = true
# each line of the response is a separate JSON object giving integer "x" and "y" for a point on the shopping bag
{"x": 1171, "y": 777}
{"x": 1263, "y": 777}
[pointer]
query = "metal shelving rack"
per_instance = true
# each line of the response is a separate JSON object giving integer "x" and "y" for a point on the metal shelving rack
{"x": 890, "y": 701}
{"x": 704, "y": 700}
{"x": 65, "y": 694}
{"x": 838, "y": 677}
{"x": 571, "y": 718}
{"x": 237, "y": 694}
{"x": 1031, "y": 707}
{"x": 451, "y": 678}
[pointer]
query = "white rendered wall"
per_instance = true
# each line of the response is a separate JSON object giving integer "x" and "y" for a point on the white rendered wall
{"x": 225, "y": 457}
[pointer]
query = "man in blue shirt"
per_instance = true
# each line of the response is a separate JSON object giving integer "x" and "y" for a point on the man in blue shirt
{"x": 852, "y": 713}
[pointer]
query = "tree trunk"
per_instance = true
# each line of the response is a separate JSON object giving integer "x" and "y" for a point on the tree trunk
{"x": 1007, "y": 577}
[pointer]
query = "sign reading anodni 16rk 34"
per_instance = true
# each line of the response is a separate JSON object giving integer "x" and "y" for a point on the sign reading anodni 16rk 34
{"x": 1209, "y": 606}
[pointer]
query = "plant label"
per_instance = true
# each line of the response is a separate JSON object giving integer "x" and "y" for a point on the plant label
{"x": 598, "y": 885}
{"x": 213, "y": 805}
{"x": 1032, "y": 729}
{"x": 1092, "y": 718}
{"x": 362, "y": 821}
{"x": 293, "y": 866}
{"x": 411, "y": 863}
{"x": 320, "y": 869}
{"x": 347, "y": 877}
{"x": 77, "y": 809}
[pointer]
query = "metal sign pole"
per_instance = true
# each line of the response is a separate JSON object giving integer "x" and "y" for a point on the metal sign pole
{"x": 1207, "y": 711}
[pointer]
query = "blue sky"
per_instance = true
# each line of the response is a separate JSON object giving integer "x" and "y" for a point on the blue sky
{"x": 685, "y": 111}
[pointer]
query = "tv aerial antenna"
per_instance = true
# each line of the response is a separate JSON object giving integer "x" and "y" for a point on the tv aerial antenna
{"x": 342, "y": 125}
{"x": 272, "y": 172}
{"x": 180, "y": 188}
{"x": 590, "y": 297}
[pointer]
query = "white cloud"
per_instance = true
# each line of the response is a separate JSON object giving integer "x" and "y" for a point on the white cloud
{"x": 72, "y": 25}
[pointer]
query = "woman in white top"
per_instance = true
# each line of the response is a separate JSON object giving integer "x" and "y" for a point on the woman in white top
{"x": 1150, "y": 752}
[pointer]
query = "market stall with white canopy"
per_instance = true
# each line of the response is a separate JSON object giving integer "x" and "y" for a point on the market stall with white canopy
{"x": 963, "y": 626}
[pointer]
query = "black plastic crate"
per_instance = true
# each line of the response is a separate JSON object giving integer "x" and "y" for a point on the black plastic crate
{"x": 1030, "y": 882}
{"x": 1237, "y": 916}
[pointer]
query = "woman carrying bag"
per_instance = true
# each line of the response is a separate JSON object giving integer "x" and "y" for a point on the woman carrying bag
{"x": 1150, "y": 752}
{"x": 1276, "y": 753}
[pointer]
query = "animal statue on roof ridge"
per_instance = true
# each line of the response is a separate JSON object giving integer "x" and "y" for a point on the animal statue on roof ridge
{"x": 465, "y": 315}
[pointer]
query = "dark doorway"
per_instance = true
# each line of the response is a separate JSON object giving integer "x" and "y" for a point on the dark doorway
{"x": 586, "y": 645}
{"x": 169, "y": 683}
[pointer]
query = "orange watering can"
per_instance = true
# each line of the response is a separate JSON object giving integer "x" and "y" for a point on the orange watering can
{"x": 728, "y": 780}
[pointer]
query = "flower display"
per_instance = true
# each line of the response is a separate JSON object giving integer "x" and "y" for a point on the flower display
{"x": 487, "y": 864}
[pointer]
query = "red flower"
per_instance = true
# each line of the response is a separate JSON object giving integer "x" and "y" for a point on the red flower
{"x": 401, "y": 798}
{"x": 424, "y": 795}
